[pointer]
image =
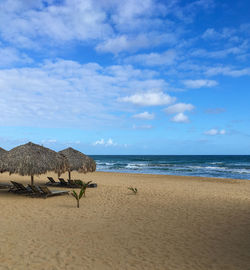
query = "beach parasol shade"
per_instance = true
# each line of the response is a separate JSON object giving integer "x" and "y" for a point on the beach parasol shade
{"x": 78, "y": 161}
{"x": 32, "y": 159}
{"x": 2, "y": 151}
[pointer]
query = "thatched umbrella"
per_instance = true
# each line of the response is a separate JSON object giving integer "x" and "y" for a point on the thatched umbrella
{"x": 78, "y": 161}
{"x": 2, "y": 151}
{"x": 32, "y": 159}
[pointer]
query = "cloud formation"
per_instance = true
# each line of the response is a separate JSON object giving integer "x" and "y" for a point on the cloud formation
{"x": 179, "y": 108}
{"x": 199, "y": 83}
{"x": 214, "y": 131}
{"x": 106, "y": 143}
{"x": 180, "y": 118}
{"x": 67, "y": 93}
{"x": 144, "y": 115}
{"x": 142, "y": 126}
{"x": 150, "y": 98}
{"x": 154, "y": 59}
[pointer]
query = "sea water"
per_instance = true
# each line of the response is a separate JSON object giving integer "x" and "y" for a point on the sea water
{"x": 207, "y": 166}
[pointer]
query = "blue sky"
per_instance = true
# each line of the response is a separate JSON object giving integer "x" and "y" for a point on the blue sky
{"x": 126, "y": 77}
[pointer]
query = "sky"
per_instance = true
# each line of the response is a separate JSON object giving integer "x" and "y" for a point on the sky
{"x": 126, "y": 77}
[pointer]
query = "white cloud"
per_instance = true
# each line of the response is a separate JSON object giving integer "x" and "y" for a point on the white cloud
{"x": 210, "y": 33}
{"x": 142, "y": 127}
{"x": 52, "y": 141}
{"x": 107, "y": 143}
{"x": 49, "y": 141}
{"x": 10, "y": 56}
{"x": 227, "y": 71}
{"x": 110, "y": 142}
{"x": 180, "y": 118}
{"x": 199, "y": 83}
{"x": 154, "y": 59}
{"x": 132, "y": 43}
{"x": 70, "y": 20}
{"x": 225, "y": 33}
{"x": 213, "y": 132}
{"x": 113, "y": 26}
{"x": 144, "y": 115}
{"x": 239, "y": 50}
{"x": 150, "y": 98}
{"x": 179, "y": 108}
{"x": 101, "y": 142}
{"x": 66, "y": 93}
{"x": 136, "y": 15}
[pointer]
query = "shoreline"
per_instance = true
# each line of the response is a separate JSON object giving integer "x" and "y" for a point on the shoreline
{"x": 130, "y": 174}
{"x": 178, "y": 176}
{"x": 233, "y": 167}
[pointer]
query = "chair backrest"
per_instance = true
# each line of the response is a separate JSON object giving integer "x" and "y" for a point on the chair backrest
{"x": 51, "y": 179}
{"x": 15, "y": 184}
{"x": 22, "y": 187}
{"x": 35, "y": 189}
{"x": 62, "y": 181}
{"x": 45, "y": 190}
{"x": 18, "y": 185}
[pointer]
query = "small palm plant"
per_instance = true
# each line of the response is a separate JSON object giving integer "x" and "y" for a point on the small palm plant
{"x": 135, "y": 190}
{"x": 82, "y": 191}
{"x": 78, "y": 196}
{"x": 83, "y": 185}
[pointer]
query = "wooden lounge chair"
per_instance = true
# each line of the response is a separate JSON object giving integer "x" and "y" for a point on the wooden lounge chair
{"x": 5, "y": 186}
{"x": 92, "y": 185}
{"x": 36, "y": 191}
{"x": 75, "y": 183}
{"x": 63, "y": 182}
{"x": 20, "y": 188}
{"x": 48, "y": 193}
{"x": 79, "y": 183}
{"x": 52, "y": 182}
{"x": 44, "y": 192}
{"x": 89, "y": 183}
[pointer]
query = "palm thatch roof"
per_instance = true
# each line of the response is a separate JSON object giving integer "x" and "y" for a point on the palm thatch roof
{"x": 78, "y": 161}
{"x": 2, "y": 151}
{"x": 32, "y": 159}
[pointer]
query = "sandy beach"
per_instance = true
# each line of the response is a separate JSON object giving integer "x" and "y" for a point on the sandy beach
{"x": 173, "y": 223}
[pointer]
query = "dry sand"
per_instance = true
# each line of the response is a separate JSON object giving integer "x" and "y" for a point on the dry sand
{"x": 173, "y": 222}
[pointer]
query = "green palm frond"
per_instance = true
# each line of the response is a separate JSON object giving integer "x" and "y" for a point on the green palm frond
{"x": 74, "y": 194}
{"x": 81, "y": 193}
{"x": 135, "y": 190}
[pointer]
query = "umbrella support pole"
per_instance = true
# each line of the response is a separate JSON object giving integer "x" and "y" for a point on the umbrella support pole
{"x": 69, "y": 175}
{"x": 32, "y": 180}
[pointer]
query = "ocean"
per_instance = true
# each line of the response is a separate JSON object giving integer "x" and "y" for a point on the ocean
{"x": 206, "y": 166}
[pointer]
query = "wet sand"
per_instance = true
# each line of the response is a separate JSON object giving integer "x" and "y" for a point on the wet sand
{"x": 173, "y": 223}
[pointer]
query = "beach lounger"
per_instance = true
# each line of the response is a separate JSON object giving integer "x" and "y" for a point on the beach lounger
{"x": 49, "y": 193}
{"x": 44, "y": 192}
{"x": 92, "y": 185}
{"x": 63, "y": 182}
{"x": 20, "y": 188}
{"x": 79, "y": 183}
{"x": 52, "y": 182}
{"x": 72, "y": 182}
{"x": 36, "y": 191}
{"x": 5, "y": 186}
